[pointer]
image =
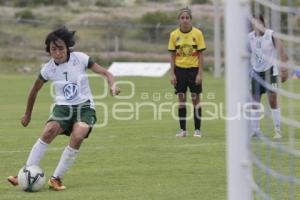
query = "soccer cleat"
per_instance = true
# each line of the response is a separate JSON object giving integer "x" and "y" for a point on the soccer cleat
{"x": 256, "y": 133}
{"x": 197, "y": 133}
{"x": 277, "y": 134}
{"x": 13, "y": 180}
{"x": 56, "y": 184}
{"x": 181, "y": 133}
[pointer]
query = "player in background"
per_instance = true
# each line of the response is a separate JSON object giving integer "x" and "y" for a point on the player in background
{"x": 186, "y": 45}
{"x": 74, "y": 110}
{"x": 264, "y": 50}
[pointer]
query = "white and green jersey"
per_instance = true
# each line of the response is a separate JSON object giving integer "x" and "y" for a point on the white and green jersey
{"x": 69, "y": 80}
{"x": 263, "y": 53}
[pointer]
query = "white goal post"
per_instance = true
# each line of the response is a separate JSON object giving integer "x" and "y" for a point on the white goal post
{"x": 238, "y": 167}
{"x": 262, "y": 166}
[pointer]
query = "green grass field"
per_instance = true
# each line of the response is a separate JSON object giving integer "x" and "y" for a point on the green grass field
{"x": 138, "y": 158}
{"x": 128, "y": 159}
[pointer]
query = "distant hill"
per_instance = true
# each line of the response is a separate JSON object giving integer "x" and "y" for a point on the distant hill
{"x": 136, "y": 32}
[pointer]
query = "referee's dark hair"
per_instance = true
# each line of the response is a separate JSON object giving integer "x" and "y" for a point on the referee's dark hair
{"x": 187, "y": 10}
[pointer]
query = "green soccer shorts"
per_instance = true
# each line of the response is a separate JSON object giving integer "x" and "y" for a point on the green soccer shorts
{"x": 68, "y": 115}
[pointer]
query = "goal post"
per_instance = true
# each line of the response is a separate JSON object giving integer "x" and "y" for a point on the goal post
{"x": 263, "y": 166}
{"x": 238, "y": 162}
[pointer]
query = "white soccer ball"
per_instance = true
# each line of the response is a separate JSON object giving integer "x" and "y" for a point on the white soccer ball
{"x": 31, "y": 178}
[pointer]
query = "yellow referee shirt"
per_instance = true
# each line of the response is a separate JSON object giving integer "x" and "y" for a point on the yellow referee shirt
{"x": 187, "y": 47}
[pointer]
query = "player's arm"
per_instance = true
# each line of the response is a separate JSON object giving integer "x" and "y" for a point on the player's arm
{"x": 172, "y": 71}
{"x": 30, "y": 101}
{"x": 114, "y": 90}
{"x": 283, "y": 59}
{"x": 201, "y": 47}
{"x": 199, "y": 76}
{"x": 172, "y": 50}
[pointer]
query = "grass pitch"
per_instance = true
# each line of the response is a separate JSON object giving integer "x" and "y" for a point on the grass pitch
{"x": 134, "y": 159}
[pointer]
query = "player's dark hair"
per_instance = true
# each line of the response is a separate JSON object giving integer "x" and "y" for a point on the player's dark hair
{"x": 261, "y": 18}
{"x": 63, "y": 34}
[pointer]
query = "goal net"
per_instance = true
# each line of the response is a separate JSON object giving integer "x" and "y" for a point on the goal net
{"x": 259, "y": 165}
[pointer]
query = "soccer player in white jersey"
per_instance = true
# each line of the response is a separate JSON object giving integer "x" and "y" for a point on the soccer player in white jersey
{"x": 74, "y": 111}
{"x": 266, "y": 67}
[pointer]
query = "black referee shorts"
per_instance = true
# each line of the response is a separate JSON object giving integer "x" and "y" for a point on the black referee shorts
{"x": 186, "y": 78}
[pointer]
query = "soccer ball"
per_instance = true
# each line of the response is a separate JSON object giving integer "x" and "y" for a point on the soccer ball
{"x": 31, "y": 178}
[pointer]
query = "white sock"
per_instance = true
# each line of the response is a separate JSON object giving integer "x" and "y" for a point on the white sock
{"x": 255, "y": 120}
{"x": 276, "y": 118}
{"x": 66, "y": 160}
{"x": 37, "y": 152}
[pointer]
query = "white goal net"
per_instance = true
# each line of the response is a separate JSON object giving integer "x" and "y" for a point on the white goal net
{"x": 259, "y": 165}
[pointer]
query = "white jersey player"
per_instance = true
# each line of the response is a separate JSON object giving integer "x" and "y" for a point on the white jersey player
{"x": 74, "y": 113}
{"x": 69, "y": 79}
{"x": 265, "y": 49}
{"x": 263, "y": 52}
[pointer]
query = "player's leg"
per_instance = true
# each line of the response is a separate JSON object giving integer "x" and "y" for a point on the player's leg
{"x": 196, "y": 90}
{"x": 182, "y": 115}
{"x": 257, "y": 90}
{"x": 86, "y": 118}
{"x": 255, "y": 115}
{"x": 197, "y": 114}
{"x": 55, "y": 125}
{"x": 180, "y": 90}
{"x": 275, "y": 110}
{"x": 51, "y": 130}
{"x": 80, "y": 131}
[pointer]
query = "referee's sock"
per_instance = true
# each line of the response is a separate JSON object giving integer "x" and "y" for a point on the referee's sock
{"x": 182, "y": 118}
{"x": 197, "y": 118}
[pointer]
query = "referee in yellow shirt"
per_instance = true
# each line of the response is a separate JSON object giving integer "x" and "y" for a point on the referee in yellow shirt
{"x": 186, "y": 45}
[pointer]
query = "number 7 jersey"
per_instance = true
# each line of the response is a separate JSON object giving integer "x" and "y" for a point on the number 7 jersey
{"x": 69, "y": 80}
